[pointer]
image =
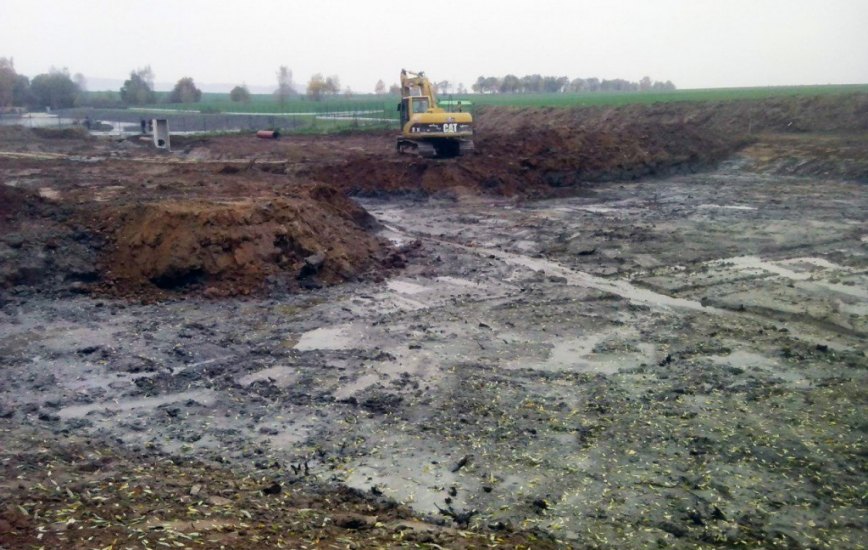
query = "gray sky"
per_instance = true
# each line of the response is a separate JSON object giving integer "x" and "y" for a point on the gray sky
{"x": 694, "y": 43}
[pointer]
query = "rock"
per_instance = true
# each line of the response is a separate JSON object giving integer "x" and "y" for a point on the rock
{"x": 218, "y": 501}
{"x": 540, "y": 504}
{"x": 48, "y": 417}
{"x": 312, "y": 265}
{"x": 15, "y": 240}
{"x": 465, "y": 460}
{"x": 353, "y": 521}
{"x": 673, "y": 529}
{"x": 273, "y": 489}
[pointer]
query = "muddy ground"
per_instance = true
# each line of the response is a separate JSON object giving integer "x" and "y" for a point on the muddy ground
{"x": 677, "y": 360}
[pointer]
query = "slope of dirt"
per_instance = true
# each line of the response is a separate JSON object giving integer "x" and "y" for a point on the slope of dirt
{"x": 537, "y": 152}
{"x": 839, "y": 156}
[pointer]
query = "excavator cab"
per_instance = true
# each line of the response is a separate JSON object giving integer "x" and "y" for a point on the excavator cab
{"x": 412, "y": 105}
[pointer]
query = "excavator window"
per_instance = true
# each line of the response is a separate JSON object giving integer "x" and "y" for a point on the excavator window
{"x": 420, "y": 104}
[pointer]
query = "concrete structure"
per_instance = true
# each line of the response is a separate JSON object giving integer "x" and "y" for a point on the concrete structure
{"x": 161, "y": 133}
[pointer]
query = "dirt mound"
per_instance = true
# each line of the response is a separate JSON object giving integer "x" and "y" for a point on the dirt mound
{"x": 232, "y": 247}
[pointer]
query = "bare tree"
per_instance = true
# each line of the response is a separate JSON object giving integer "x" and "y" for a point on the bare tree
{"x": 8, "y": 77}
{"x": 380, "y": 88}
{"x": 285, "y": 87}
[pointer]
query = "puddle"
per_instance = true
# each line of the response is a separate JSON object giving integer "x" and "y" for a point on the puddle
{"x": 727, "y": 206}
{"x": 280, "y": 375}
{"x": 405, "y": 287}
{"x": 395, "y": 236}
{"x": 578, "y": 355}
{"x": 459, "y": 282}
{"x": 49, "y": 193}
{"x": 598, "y": 209}
{"x": 333, "y": 338}
{"x": 203, "y": 397}
{"x": 349, "y": 389}
{"x": 87, "y": 383}
{"x": 818, "y": 262}
{"x": 808, "y": 277}
{"x": 64, "y": 340}
{"x": 751, "y": 362}
{"x": 617, "y": 287}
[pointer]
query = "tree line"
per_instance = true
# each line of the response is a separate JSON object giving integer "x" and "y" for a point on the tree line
{"x": 54, "y": 89}
{"x": 58, "y": 89}
{"x": 535, "y": 83}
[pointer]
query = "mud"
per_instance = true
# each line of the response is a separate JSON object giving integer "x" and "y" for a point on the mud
{"x": 674, "y": 362}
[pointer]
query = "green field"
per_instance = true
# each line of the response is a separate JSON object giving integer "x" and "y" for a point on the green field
{"x": 385, "y": 105}
{"x": 369, "y": 111}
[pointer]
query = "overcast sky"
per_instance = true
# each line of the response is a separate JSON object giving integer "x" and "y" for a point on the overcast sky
{"x": 694, "y": 43}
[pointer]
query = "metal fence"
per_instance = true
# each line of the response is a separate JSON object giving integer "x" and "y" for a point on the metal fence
{"x": 307, "y": 116}
{"x": 334, "y": 117}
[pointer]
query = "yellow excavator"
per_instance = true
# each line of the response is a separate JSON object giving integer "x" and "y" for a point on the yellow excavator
{"x": 427, "y": 129}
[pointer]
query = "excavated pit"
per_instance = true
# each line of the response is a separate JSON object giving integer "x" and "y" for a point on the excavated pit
{"x": 675, "y": 360}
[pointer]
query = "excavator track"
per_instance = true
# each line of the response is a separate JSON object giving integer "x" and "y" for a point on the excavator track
{"x": 450, "y": 148}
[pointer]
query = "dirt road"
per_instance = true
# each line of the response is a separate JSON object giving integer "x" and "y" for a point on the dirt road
{"x": 676, "y": 361}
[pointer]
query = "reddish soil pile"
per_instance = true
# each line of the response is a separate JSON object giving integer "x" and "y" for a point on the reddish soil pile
{"x": 232, "y": 247}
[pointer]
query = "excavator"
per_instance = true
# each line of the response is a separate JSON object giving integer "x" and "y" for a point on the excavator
{"x": 427, "y": 129}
